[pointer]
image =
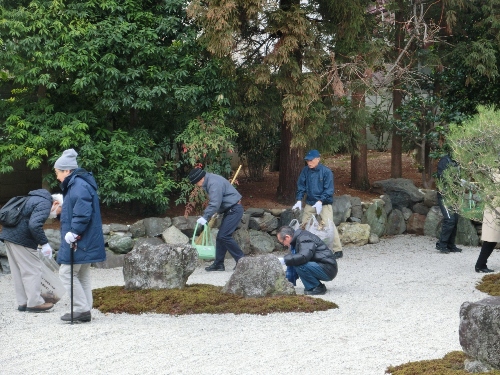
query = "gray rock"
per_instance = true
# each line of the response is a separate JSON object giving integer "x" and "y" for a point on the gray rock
{"x": 255, "y": 212}
{"x": 395, "y": 223}
{"x": 387, "y": 203}
{"x": 186, "y": 225}
{"x": 433, "y": 221}
{"x": 376, "y": 217}
{"x": 466, "y": 233}
{"x": 265, "y": 223}
{"x": 341, "y": 208}
{"x": 155, "y": 226}
{"x": 261, "y": 242}
{"x": 403, "y": 192}
{"x": 150, "y": 241}
{"x": 275, "y": 211}
{"x": 138, "y": 229}
{"x": 172, "y": 235}
{"x": 112, "y": 260}
{"x": 416, "y": 224}
{"x": 354, "y": 234}
{"x": 242, "y": 237}
{"x": 245, "y": 220}
{"x": 475, "y": 367}
{"x": 356, "y": 208}
{"x": 406, "y": 213}
{"x": 353, "y": 219}
{"x": 118, "y": 228}
{"x": 54, "y": 237}
{"x": 159, "y": 266}
{"x": 420, "y": 208}
{"x": 430, "y": 198}
{"x": 259, "y": 276}
{"x": 105, "y": 229}
{"x": 120, "y": 244}
{"x": 479, "y": 330}
{"x": 373, "y": 239}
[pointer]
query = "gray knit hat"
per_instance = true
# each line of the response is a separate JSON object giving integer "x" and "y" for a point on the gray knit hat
{"x": 196, "y": 175}
{"x": 67, "y": 161}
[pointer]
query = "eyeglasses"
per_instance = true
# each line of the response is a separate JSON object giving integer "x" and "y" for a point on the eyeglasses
{"x": 282, "y": 241}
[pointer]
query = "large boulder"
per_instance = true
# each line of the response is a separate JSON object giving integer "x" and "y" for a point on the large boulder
{"x": 466, "y": 233}
{"x": 356, "y": 208}
{"x": 415, "y": 224}
{"x": 155, "y": 226}
{"x": 261, "y": 242}
{"x": 432, "y": 225}
{"x": 164, "y": 266}
{"x": 341, "y": 208}
{"x": 121, "y": 244}
{"x": 395, "y": 223}
{"x": 242, "y": 237}
{"x": 354, "y": 234}
{"x": 172, "y": 235}
{"x": 266, "y": 223}
{"x": 376, "y": 217}
{"x": 259, "y": 276}
{"x": 402, "y": 191}
{"x": 479, "y": 331}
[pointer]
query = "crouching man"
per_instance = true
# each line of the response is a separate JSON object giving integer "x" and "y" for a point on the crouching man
{"x": 309, "y": 259}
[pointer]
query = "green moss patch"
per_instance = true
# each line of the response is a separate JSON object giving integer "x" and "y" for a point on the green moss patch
{"x": 451, "y": 364}
{"x": 490, "y": 284}
{"x": 199, "y": 299}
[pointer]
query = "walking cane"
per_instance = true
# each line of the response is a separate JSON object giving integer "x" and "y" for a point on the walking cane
{"x": 73, "y": 246}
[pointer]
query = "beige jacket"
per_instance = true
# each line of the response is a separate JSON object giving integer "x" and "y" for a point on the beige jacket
{"x": 491, "y": 222}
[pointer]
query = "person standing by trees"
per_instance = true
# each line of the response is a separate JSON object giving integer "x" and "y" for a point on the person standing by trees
{"x": 223, "y": 199}
{"x": 81, "y": 233}
{"x": 21, "y": 242}
{"x": 316, "y": 182}
{"x": 446, "y": 242}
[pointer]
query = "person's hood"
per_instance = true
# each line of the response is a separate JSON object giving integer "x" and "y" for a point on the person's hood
{"x": 41, "y": 193}
{"x": 82, "y": 173}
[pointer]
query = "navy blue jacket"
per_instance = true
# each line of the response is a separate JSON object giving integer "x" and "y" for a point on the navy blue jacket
{"x": 81, "y": 215}
{"x": 29, "y": 231}
{"x": 317, "y": 183}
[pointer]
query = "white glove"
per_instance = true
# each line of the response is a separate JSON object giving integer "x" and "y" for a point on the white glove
{"x": 318, "y": 206}
{"x": 47, "y": 250}
{"x": 201, "y": 220}
{"x": 297, "y": 206}
{"x": 70, "y": 237}
{"x": 282, "y": 261}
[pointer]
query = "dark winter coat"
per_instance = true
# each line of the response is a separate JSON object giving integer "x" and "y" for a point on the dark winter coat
{"x": 310, "y": 248}
{"x": 29, "y": 231}
{"x": 317, "y": 183}
{"x": 81, "y": 215}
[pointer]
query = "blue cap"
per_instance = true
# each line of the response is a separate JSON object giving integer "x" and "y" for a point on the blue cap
{"x": 312, "y": 154}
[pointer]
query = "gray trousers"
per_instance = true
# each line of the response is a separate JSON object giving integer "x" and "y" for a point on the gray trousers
{"x": 82, "y": 290}
{"x": 26, "y": 270}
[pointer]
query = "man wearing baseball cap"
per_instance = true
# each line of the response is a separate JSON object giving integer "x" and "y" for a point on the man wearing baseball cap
{"x": 316, "y": 182}
{"x": 223, "y": 199}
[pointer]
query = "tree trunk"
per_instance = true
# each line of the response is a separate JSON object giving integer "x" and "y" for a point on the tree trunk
{"x": 291, "y": 163}
{"x": 359, "y": 163}
{"x": 397, "y": 98}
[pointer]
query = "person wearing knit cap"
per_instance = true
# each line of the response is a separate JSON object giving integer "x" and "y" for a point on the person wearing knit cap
{"x": 223, "y": 199}
{"x": 81, "y": 233}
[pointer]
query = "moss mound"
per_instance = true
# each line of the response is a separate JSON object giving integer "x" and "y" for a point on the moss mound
{"x": 451, "y": 364}
{"x": 199, "y": 299}
{"x": 490, "y": 284}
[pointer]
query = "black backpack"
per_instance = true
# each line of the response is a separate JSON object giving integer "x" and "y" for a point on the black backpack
{"x": 10, "y": 213}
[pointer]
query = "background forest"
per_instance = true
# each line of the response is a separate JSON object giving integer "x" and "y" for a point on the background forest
{"x": 145, "y": 90}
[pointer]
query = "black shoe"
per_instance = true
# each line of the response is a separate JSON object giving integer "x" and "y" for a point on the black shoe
{"x": 484, "y": 270}
{"x": 454, "y": 249}
{"x": 21, "y": 307}
{"x": 338, "y": 254}
{"x": 319, "y": 290}
{"x": 77, "y": 317}
{"x": 442, "y": 249}
{"x": 215, "y": 267}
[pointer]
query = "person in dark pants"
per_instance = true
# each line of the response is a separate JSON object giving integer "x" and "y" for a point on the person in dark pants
{"x": 309, "y": 257}
{"x": 223, "y": 199}
{"x": 446, "y": 242}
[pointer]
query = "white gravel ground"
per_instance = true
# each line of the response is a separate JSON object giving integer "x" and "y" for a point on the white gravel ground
{"x": 399, "y": 301}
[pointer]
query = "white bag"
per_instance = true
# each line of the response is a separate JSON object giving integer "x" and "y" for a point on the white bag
{"x": 324, "y": 231}
{"x": 294, "y": 224}
{"x": 52, "y": 287}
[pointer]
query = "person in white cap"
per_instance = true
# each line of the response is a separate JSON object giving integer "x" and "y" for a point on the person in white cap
{"x": 316, "y": 183}
{"x": 81, "y": 233}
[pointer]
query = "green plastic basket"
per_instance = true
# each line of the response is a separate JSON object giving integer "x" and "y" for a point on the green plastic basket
{"x": 206, "y": 250}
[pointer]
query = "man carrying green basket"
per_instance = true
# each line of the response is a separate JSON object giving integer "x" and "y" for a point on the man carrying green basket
{"x": 223, "y": 199}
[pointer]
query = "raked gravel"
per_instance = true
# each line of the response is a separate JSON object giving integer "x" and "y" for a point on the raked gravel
{"x": 399, "y": 301}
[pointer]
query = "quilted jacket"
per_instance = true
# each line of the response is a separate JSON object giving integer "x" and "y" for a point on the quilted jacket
{"x": 29, "y": 231}
{"x": 81, "y": 215}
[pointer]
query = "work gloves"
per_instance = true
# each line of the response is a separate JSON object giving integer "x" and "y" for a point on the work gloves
{"x": 297, "y": 206}
{"x": 47, "y": 250}
{"x": 318, "y": 206}
{"x": 70, "y": 237}
{"x": 201, "y": 220}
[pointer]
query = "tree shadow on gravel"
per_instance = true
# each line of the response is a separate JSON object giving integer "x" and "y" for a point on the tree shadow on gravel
{"x": 199, "y": 299}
